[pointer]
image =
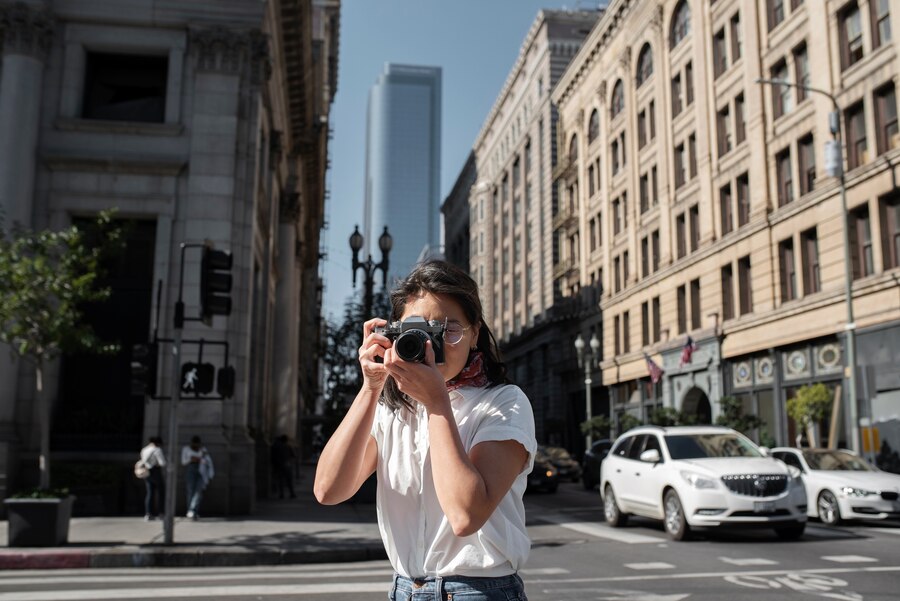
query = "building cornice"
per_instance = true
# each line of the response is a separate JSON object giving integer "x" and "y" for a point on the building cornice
{"x": 26, "y": 30}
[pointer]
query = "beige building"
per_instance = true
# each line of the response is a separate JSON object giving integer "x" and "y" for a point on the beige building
{"x": 198, "y": 121}
{"x": 700, "y": 199}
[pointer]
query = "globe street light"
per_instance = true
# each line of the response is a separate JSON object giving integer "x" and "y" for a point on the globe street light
{"x": 385, "y": 242}
{"x": 586, "y": 360}
{"x": 834, "y": 166}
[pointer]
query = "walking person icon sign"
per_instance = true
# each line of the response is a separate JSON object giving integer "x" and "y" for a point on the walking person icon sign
{"x": 190, "y": 380}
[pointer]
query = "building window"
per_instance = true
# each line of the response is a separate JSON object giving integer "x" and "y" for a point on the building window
{"x": 681, "y": 295}
{"x": 809, "y": 256}
{"x": 886, "y": 119}
{"x": 694, "y": 214}
{"x": 783, "y": 177}
{"x": 881, "y": 22}
{"x": 676, "y": 95}
{"x": 626, "y": 272}
{"x": 645, "y": 257}
{"x": 737, "y": 38}
{"x": 688, "y": 84}
{"x": 617, "y": 331}
{"x": 727, "y": 293}
{"x": 801, "y": 71}
{"x": 651, "y": 117}
{"x": 807, "y": 156}
{"x": 725, "y": 209}
{"x": 850, "y": 31}
{"x": 645, "y": 323}
{"x": 745, "y": 293}
{"x": 618, "y": 99}
{"x": 654, "y": 249}
{"x": 681, "y": 24}
{"x": 642, "y": 129}
{"x": 720, "y": 55}
{"x": 890, "y": 228}
{"x": 723, "y": 131}
{"x": 594, "y": 126}
{"x": 692, "y": 155}
{"x": 617, "y": 273}
{"x": 743, "y": 200}
{"x": 573, "y": 152}
{"x": 626, "y": 332}
{"x": 591, "y": 189}
{"x": 781, "y": 95}
{"x": 644, "y": 192}
{"x": 680, "y": 165}
{"x": 617, "y": 216}
{"x": 857, "y": 145}
{"x": 740, "y": 125}
{"x": 593, "y": 235}
{"x": 680, "y": 248}
{"x": 657, "y": 326}
{"x": 787, "y": 270}
{"x": 695, "y": 304}
{"x": 124, "y": 87}
{"x": 644, "y": 65}
{"x": 775, "y": 13}
{"x": 654, "y": 188}
{"x": 861, "y": 243}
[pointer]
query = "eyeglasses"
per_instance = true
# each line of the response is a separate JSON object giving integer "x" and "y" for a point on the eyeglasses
{"x": 453, "y": 332}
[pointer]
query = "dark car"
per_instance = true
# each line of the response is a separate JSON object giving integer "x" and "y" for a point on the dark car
{"x": 565, "y": 464}
{"x": 544, "y": 476}
{"x": 590, "y": 467}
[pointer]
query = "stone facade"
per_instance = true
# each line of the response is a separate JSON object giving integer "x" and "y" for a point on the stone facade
{"x": 700, "y": 199}
{"x": 231, "y": 148}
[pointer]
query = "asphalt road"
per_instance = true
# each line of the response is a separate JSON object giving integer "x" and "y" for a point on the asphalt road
{"x": 575, "y": 557}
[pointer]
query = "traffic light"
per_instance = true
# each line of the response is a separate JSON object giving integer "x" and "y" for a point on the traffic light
{"x": 215, "y": 283}
{"x": 197, "y": 378}
{"x": 144, "y": 362}
{"x": 225, "y": 382}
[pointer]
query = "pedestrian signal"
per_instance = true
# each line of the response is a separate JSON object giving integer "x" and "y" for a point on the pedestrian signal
{"x": 144, "y": 365}
{"x": 197, "y": 378}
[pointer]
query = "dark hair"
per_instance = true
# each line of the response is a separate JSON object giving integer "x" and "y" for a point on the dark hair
{"x": 156, "y": 440}
{"x": 440, "y": 277}
{"x": 195, "y": 439}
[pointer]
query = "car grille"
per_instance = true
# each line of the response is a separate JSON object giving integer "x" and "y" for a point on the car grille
{"x": 756, "y": 485}
{"x": 755, "y": 514}
{"x": 889, "y": 496}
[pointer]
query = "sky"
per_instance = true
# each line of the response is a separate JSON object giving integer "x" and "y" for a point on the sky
{"x": 475, "y": 42}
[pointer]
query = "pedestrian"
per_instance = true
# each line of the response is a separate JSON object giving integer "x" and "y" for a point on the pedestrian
{"x": 451, "y": 444}
{"x": 198, "y": 472}
{"x": 282, "y": 456}
{"x": 154, "y": 459}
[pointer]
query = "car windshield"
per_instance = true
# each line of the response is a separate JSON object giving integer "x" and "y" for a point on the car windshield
{"x": 835, "y": 461}
{"x": 703, "y": 446}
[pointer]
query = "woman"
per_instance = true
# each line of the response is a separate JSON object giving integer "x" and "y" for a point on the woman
{"x": 452, "y": 445}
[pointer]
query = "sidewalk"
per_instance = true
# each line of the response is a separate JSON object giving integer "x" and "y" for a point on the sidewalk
{"x": 280, "y": 532}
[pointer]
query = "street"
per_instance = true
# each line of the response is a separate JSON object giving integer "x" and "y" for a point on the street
{"x": 575, "y": 556}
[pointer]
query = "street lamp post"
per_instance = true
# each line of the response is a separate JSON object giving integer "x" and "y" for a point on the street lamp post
{"x": 586, "y": 359}
{"x": 385, "y": 242}
{"x": 834, "y": 160}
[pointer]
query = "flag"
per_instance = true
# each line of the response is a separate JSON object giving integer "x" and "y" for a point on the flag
{"x": 655, "y": 370}
{"x": 687, "y": 351}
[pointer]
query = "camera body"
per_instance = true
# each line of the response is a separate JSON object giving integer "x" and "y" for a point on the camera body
{"x": 409, "y": 338}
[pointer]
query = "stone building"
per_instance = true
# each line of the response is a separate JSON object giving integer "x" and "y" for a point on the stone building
{"x": 197, "y": 121}
{"x": 701, "y": 199}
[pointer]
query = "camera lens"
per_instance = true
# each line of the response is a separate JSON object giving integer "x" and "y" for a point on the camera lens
{"x": 410, "y": 346}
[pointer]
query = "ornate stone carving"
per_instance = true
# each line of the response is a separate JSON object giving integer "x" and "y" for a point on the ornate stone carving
{"x": 625, "y": 59}
{"x": 26, "y": 30}
{"x": 657, "y": 20}
{"x": 601, "y": 92}
{"x": 233, "y": 52}
{"x": 289, "y": 207}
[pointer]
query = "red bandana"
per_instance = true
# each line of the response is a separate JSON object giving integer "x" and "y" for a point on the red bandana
{"x": 471, "y": 375}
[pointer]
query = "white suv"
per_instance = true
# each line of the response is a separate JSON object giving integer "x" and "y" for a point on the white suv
{"x": 699, "y": 476}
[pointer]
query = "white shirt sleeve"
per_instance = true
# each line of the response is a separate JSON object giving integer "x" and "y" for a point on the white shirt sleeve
{"x": 508, "y": 416}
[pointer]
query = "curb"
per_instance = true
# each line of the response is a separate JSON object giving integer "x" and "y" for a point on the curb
{"x": 188, "y": 557}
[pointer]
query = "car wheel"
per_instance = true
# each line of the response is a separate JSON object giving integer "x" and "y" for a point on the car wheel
{"x": 829, "y": 510}
{"x": 676, "y": 523}
{"x": 791, "y": 531}
{"x": 614, "y": 515}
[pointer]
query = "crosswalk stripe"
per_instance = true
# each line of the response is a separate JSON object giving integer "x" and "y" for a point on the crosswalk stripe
{"x": 600, "y": 531}
{"x": 650, "y": 565}
{"x": 848, "y": 558}
{"x": 748, "y": 561}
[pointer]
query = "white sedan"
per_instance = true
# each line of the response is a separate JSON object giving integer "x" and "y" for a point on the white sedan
{"x": 842, "y": 486}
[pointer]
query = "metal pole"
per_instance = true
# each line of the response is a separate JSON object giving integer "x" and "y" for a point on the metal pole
{"x": 370, "y": 275}
{"x": 587, "y": 392}
{"x": 171, "y": 454}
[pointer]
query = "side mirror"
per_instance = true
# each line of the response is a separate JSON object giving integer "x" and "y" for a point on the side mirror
{"x": 650, "y": 456}
{"x": 766, "y": 451}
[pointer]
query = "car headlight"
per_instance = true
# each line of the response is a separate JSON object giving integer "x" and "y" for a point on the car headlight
{"x": 850, "y": 491}
{"x": 794, "y": 475}
{"x": 698, "y": 480}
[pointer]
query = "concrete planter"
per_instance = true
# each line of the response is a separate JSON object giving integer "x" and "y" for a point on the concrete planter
{"x": 38, "y": 522}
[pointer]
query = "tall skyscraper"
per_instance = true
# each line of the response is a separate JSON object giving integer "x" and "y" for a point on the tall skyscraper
{"x": 403, "y": 155}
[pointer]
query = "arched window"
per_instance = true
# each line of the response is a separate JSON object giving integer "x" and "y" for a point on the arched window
{"x": 681, "y": 23}
{"x": 573, "y": 149}
{"x": 618, "y": 99}
{"x": 594, "y": 126}
{"x": 644, "y": 65}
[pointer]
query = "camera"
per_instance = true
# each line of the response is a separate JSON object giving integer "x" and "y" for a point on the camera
{"x": 409, "y": 338}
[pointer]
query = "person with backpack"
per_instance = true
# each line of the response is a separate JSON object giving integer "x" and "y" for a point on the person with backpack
{"x": 154, "y": 460}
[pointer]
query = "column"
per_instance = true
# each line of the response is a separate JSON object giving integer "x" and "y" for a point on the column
{"x": 285, "y": 347}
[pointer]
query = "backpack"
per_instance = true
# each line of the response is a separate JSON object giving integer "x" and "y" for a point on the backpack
{"x": 141, "y": 470}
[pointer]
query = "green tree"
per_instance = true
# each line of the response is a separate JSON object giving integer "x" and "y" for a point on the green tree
{"x": 733, "y": 416}
{"x": 811, "y": 405}
{"x": 669, "y": 416}
{"x": 46, "y": 278}
{"x": 598, "y": 427}
{"x": 627, "y": 422}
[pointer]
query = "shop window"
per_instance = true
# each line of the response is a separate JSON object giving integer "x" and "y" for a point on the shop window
{"x": 124, "y": 87}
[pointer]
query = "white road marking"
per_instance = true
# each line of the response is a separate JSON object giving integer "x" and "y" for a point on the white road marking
{"x": 848, "y": 558}
{"x": 749, "y": 561}
{"x": 600, "y": 531}
{"x": 649, "y": 565}
{"x": 543, "y": 571}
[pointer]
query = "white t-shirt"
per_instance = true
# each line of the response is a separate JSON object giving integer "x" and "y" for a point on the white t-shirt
{"x": 417, "y": 535}
{"x": 152, "y": 456}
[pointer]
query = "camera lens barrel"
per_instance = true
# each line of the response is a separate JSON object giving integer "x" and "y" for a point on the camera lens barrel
{"x": 410, "y": 345}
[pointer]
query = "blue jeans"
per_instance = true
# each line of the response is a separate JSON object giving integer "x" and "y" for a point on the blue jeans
{"x": 458, "y": 588}
{"x": 194, "y": 483}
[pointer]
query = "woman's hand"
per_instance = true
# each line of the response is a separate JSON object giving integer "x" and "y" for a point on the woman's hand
{"x": 421, "y": 381}
{"x": 374, "y": 346}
